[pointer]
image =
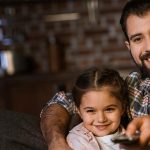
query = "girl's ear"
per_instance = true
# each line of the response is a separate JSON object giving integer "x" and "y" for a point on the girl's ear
{"x": 123, "y": 110}
{"x": 123, "y": 113}
{"x": 79, "y": 113}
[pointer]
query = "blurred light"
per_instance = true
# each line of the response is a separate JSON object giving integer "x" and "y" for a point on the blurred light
{"x": 3, "y": 59}
{"x": 93, "y": 11}
{"x": 62, "y": 17}
{"x": 7, "y": 41}
{"x": 6, "y": 59}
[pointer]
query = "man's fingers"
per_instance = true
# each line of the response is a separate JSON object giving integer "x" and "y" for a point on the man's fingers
{"x": 141, "y": 124}
{"x": 145, "y": 137}
{"x": 133, "y": 126}
{"x": 145, "y": 131}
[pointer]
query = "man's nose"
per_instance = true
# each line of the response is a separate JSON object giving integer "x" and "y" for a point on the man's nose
{"x": 147, "y": 45}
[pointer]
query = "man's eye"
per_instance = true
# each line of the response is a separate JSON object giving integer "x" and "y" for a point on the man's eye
{"x": 137, "y": 39}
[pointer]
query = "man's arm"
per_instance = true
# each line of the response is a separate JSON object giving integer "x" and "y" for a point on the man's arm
{"x": 55, "y": 119}
{"x": 54, "y": 124}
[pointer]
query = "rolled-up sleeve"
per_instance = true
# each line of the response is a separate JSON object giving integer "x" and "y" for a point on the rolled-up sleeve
{"x": 63, "y": 99}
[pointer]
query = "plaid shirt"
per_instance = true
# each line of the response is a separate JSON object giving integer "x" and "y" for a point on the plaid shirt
{"x": 63, "y": 99}
{"x": 139, "y": 93}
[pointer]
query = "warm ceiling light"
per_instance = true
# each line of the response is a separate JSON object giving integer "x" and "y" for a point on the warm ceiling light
{"x": 61, "y": 17}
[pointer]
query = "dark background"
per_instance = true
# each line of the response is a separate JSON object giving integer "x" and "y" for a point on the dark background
{"x": 47, "y": 54}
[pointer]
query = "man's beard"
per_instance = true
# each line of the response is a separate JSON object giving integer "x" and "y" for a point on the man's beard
{"x": 144, "y": 70}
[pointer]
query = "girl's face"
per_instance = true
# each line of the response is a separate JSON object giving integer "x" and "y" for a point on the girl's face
{"x": 101, "y": 112}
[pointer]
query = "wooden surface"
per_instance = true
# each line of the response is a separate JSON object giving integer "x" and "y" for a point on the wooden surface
{"x": 29, "y": 93}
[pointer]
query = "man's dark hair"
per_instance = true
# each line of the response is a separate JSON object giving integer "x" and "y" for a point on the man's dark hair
{"x": 134, "y": 7}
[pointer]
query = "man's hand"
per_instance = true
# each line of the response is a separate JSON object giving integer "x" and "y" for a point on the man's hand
{"x": 143, "y": 125}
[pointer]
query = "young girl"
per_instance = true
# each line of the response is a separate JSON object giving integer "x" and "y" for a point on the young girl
{"x": 102, "y": 100}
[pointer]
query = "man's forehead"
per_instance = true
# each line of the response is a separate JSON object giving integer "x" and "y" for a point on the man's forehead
{"x": 137, "y": 24}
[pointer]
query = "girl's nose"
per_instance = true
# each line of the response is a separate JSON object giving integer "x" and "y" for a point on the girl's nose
{"x": 101, "y": 117}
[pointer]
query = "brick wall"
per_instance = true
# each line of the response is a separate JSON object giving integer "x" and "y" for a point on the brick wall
{"x": 65, "y": 45}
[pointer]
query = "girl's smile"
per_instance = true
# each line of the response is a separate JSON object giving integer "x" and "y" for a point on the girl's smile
{"x": 101, "y": 112}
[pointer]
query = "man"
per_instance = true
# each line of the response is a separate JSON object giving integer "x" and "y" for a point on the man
{"x": 135, "y": 22}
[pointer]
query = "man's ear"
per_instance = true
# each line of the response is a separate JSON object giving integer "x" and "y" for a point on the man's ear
{"x": 127, "y": 45}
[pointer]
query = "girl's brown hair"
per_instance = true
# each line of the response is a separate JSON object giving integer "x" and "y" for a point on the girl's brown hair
{"x": 95, "y": 79}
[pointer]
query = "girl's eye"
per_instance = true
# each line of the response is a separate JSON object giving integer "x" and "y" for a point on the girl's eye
{"x": 90, "y": 111}
{"x": 110, "y": 109}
